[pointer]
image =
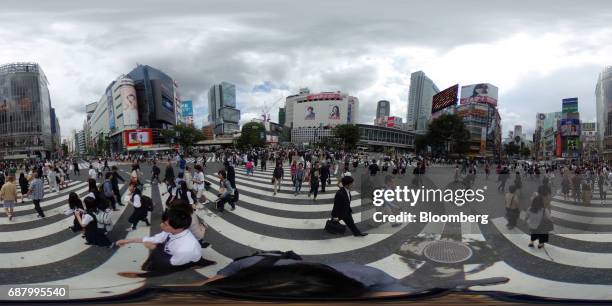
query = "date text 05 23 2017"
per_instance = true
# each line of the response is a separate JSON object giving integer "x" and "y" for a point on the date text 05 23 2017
{"x": 30, "y": 293}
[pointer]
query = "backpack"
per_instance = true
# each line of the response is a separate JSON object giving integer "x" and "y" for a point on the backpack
{"x": 104, "y": 220}
{"x": 107, "y": 189}
{"x": 146, "y": 202}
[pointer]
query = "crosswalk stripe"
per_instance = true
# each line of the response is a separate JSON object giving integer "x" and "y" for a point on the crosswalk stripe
{"x": 58, "y": 252}
{"x": 582, "y": 208}
{"x": 64, "y": 197}
{"x": 324, "y": 196}
{"x": 581, "y": 219}
{"x": 127, "y": 258}
{"x": 285, "y": 206}
{"x": 557, "y": 254}
{"x": 523, "y": 283}
{"x": 302, "y": 247}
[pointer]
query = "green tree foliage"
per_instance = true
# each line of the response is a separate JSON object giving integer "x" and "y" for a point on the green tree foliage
{"x": 447, "y": 130}
{"x": 253, "y": 135}
{"x": 186, "y": 136}
{"x": 348, "y": 134}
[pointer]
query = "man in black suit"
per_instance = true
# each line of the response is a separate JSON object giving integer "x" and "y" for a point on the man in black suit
{"x": 342, "y": 206}
{"x": 324, "y": 175}
{"x": 231, "y": 177}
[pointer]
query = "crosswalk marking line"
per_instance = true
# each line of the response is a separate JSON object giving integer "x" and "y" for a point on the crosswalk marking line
{"x": 127, "y": 258}
{"x": 325, "y": 196}
{"x": 61, "y": 198}
{"x": 39, "y": 232}
{"x": 269, "y": 185}
{"x": 286, "y": 182}
{"x": 523, "y": 283}
{"x": 302, "y": 247}
{"x": 49, "y": 212}
{"x": 395, "y": 265}
{"x": 582, "y": 208}
{"x": 284, "y": 206}
{"x": 471, "y": 232}
{"x": 557, "y": 254}
{"x": 54, "y": 253}
{"x": 288, "y": 223}
{"x": 571, "y": 199}
{"x": 581, "y": 219}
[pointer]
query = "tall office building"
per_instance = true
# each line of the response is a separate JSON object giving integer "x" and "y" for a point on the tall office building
{"x": 25, "y": 112}
{"x": 603, "y": 98}
{"x": 222, "y": 112}
{"x": 383, "y": 108}
{"x": 422, "y": 90}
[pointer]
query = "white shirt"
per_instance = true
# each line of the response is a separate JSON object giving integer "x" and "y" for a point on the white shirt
{"x": 199, "y": 178}
{"x": 183, "y": 247}
{"x": 92, "y": 173}
{"x": 85, "y": 219}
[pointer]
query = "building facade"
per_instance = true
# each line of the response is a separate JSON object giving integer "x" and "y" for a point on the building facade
{"x": 222, "y": 108}
{"x": 420, "y": 96}
{"x": 25, "y": 112}
{"x": 483, "y": 122}
{"x": 133, "y": 110}
{"x": 312, "y": 116}
{"x": 549, "y": 135}
{"x": 383, "y": 109}
{"x": 603, "y": 100}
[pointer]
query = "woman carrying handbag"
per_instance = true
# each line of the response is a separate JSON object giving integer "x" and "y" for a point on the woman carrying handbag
{"x": 540, "y": 224}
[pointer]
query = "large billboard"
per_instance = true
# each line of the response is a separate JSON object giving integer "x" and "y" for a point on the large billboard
{"x": 589, "y": 126}
{"x": 445, "y": 98}
{"x": 569, "y": 105}
{"x": 480, "y": 93}
{"x": 130, "y": 105}
{"x": 569, "y": 127}
{"x": 163, "y": 96}
{"x": 111, "y": 109}
{"x": 187, "y": 108}
{"x": 321, "y": 113}
{"x": 140, "y": 138}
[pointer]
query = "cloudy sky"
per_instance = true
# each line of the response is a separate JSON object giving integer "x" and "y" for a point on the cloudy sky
{"x": 536, "y": 53}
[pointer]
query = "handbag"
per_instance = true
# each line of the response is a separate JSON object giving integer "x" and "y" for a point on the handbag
{"x": 546, "y": 225}
{"x": 333, "y": 226}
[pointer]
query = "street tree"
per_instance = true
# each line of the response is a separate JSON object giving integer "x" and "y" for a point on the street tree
{"x": 184, "y": 135}
{"x": 448, "y": 134}
{"x": 348, "y": 135}
{"x": 253, "y": 135}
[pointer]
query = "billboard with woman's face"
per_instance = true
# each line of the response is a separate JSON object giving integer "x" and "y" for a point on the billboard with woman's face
{"x": 130, "y": 105}
{"x": 480, "y": 93}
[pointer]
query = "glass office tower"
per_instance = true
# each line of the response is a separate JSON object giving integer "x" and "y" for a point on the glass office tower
{"x": 25, "y": 119}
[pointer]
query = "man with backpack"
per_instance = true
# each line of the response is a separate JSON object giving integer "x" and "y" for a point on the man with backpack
{"x": 107, "y": 190}
{"x": 156, "y": 171}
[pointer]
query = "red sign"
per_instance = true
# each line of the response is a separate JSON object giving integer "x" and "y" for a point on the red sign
{"x": 558, "y": 145}
{"x": 390, "y": 121}
{"x": 324, "y": 96}
{"x": 138, "y": 138}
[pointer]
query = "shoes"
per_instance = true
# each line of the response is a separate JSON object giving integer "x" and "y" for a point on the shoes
{"x": 233, "y": 208}
{"x": 541, "y": 245}
{"x": 41, "y": 216}
{"x": 10, "y": 218}
{"x": 530, "y": 245}
{"x": 129, "y": 274}
{"x": 275, "y": 193}
{"x": 121, "y": 204}
{"x": 204, "y": 244}
{"x": 360, "y": 235}
{"x": 129, "y": 229}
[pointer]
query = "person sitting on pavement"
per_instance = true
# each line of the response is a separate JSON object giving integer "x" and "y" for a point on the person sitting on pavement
{"x": 174, "y": 249}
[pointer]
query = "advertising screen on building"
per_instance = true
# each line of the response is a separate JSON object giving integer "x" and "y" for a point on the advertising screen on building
{"x": 445, "y": 98}
{"x": 480, "y": 93}
{"x": 569, "y": 105}
{"x": 111, "y": 109}
{"x": 569, "y": 127}
{"x": 187, "y": 108}
{"x": 320, "y": 113}
{"x": 141, "y": 138}
{"x": 130, "y": 105}
{"x": 588, "y": 126}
